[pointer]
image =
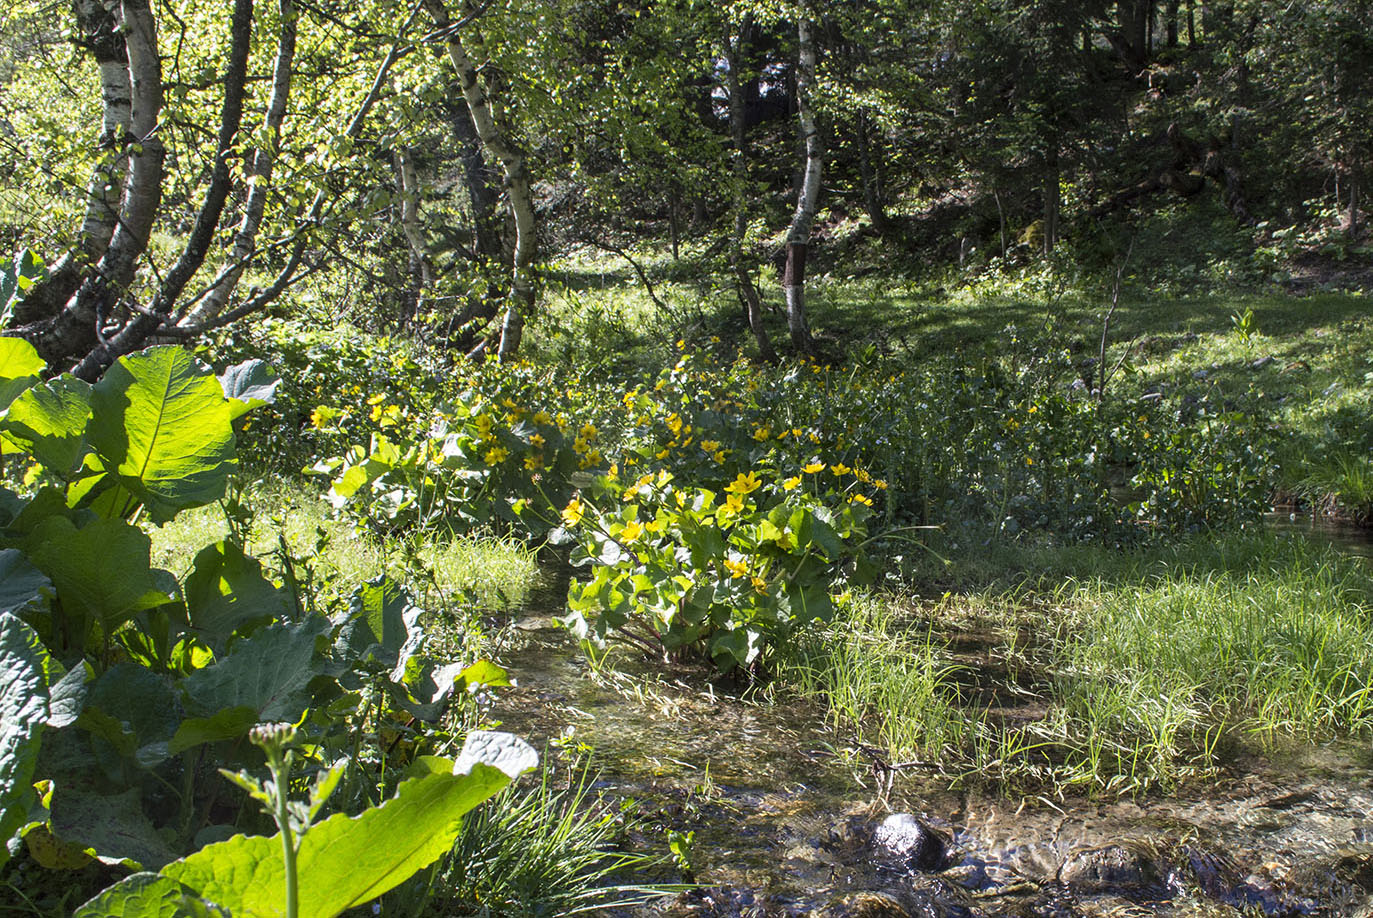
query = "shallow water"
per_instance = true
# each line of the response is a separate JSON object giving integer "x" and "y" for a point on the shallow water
{"x": 783, "y": 824}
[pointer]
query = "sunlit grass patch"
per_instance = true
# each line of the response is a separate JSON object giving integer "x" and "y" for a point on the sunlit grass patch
{"x": 1139, "y": 671}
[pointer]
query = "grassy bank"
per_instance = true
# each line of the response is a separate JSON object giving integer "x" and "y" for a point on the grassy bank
{"x": 1096, "y": 669}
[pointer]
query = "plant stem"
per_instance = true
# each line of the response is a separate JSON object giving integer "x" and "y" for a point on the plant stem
{"x": 288, "y": 842}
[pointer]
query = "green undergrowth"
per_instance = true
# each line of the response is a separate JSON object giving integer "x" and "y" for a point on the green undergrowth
{"x": 1109, "y": 672}
{"x": 1303, "y": 358}
{"x": 293, "y": 528}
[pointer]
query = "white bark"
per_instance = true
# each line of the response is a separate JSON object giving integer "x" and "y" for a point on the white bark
{"x": 798, "y": 237}
{"x": 259, "y": 174}
{"x": 517, "y": 189}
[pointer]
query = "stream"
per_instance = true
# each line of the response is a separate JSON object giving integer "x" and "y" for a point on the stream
{"x": 783, "y": 826}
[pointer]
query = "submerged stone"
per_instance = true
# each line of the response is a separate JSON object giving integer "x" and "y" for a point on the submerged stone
{"x": 909, "y": 844}
{"x": 1108, "y": 867}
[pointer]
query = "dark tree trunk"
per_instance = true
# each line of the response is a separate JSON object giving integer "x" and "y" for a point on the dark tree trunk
{"x": 483, "y": 186}
{"x": 1052, "y": 200}
{"x": 738, "y": 129}
{"x": 871, "y": 178}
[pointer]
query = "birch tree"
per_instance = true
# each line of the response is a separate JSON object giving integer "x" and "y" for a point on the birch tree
{"x": 798, "y": 236}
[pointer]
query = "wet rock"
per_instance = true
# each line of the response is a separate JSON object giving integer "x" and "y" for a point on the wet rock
{"x": 725, "y": 902}
{"x": 1220, "y": 878}
{"x": 866, "y": 905}
{"x": 1261, "y": 363}
{"x": 907, "y": 843}
{"x": 1108, "y": 867}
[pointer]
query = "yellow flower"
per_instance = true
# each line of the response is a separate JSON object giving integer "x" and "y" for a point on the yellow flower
{"x": 840, "y": 469}
{"x": 733, "y": 504}
{"x": 813, "y": 467}
{"x": 654, "y": 526}
{"x": 537, "y": 441}
{"x": 662, "y": 454}
{"x": 508, "y": 402}
{"x": 791, "y": 483}
{"x": 861, "y": 499}
{"x": 719, "y": 457}
{"x": 321, "y": 416}
{"x": 633, "y": 529}
{"x": 573, "y": 512}
{"x": 879, "y": 484}
{"x": 737, "y": 569}
{"x": 710, "y": 446}
{"x": 761, "y": 433}
{"x": 760, "y": 584}
{"x": 496, "y": 455}
{"x": 533, "y": 462}
{"x": 484, "y": 423}
{"x": 376, "y": 399}
{"x": 744, "y": 484}
{"x": 1029, "y": 460}
{"x": 862, "y": 475}
{"x": 542, "y": 417}
{"x": 588, "y": 431}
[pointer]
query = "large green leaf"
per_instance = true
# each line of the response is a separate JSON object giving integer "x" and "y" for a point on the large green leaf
{"x": 22, "y": 586}
{"x": 249, "y": 385}
{"x": 100, "y": 571}
{"x": 49, "y": 421}
{"x": 268, "y": 673}
{"x": 162, "y": 425}
{"x": 140, "y": 703}
{"x": 23, "y": 709}
{"x": 380, "y": 622}
{"x": 227, "y": 590}
{"x": 146, "y": 895}
{"x": 19, "y": 368}
{"x": 112, "y": 829}
{"x": 348, "y": 861}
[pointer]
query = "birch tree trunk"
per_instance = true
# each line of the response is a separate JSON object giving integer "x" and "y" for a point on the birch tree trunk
{"x": 97, "y": 30}
{"x": 798, "y": 237}
{"x": 259, "y": 173}
{"x": 420, "y": 268}
{"x": 738, "y": 129}
{"x": 518, "y": 194}
{"x": 141, "y": 327}
{"x": 75, "y": 331}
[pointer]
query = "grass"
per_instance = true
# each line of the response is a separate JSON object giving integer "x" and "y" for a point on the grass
{"x": 297, "y": 539}
{"x": 1140, "y": 671}
{"x": 545, "y": 850}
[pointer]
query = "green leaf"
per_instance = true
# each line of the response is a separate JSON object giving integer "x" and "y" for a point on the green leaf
{"x": 112, "y": 829}
{"x": 162, "y": 425}
{"x": 100, "y": 571}
{"x": 267, "y": 672}
{"x": 22, "y": 586}
{"x": 347, "y": 861}
{"x": 49, "y": 421}
{"x": 23, "y": 710}
{"x": 19, "y": 368}
{"x": 248, "y": 385}
{"x": 227, "y": 724}
{"x": 139, "y": 700}
{"x": 483, "y": 674}
{"x": 379, "y": 622}
{"x": 17, "y": 275}
{"x": 146, "y": 895}
{"x": 227, "y": 590}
